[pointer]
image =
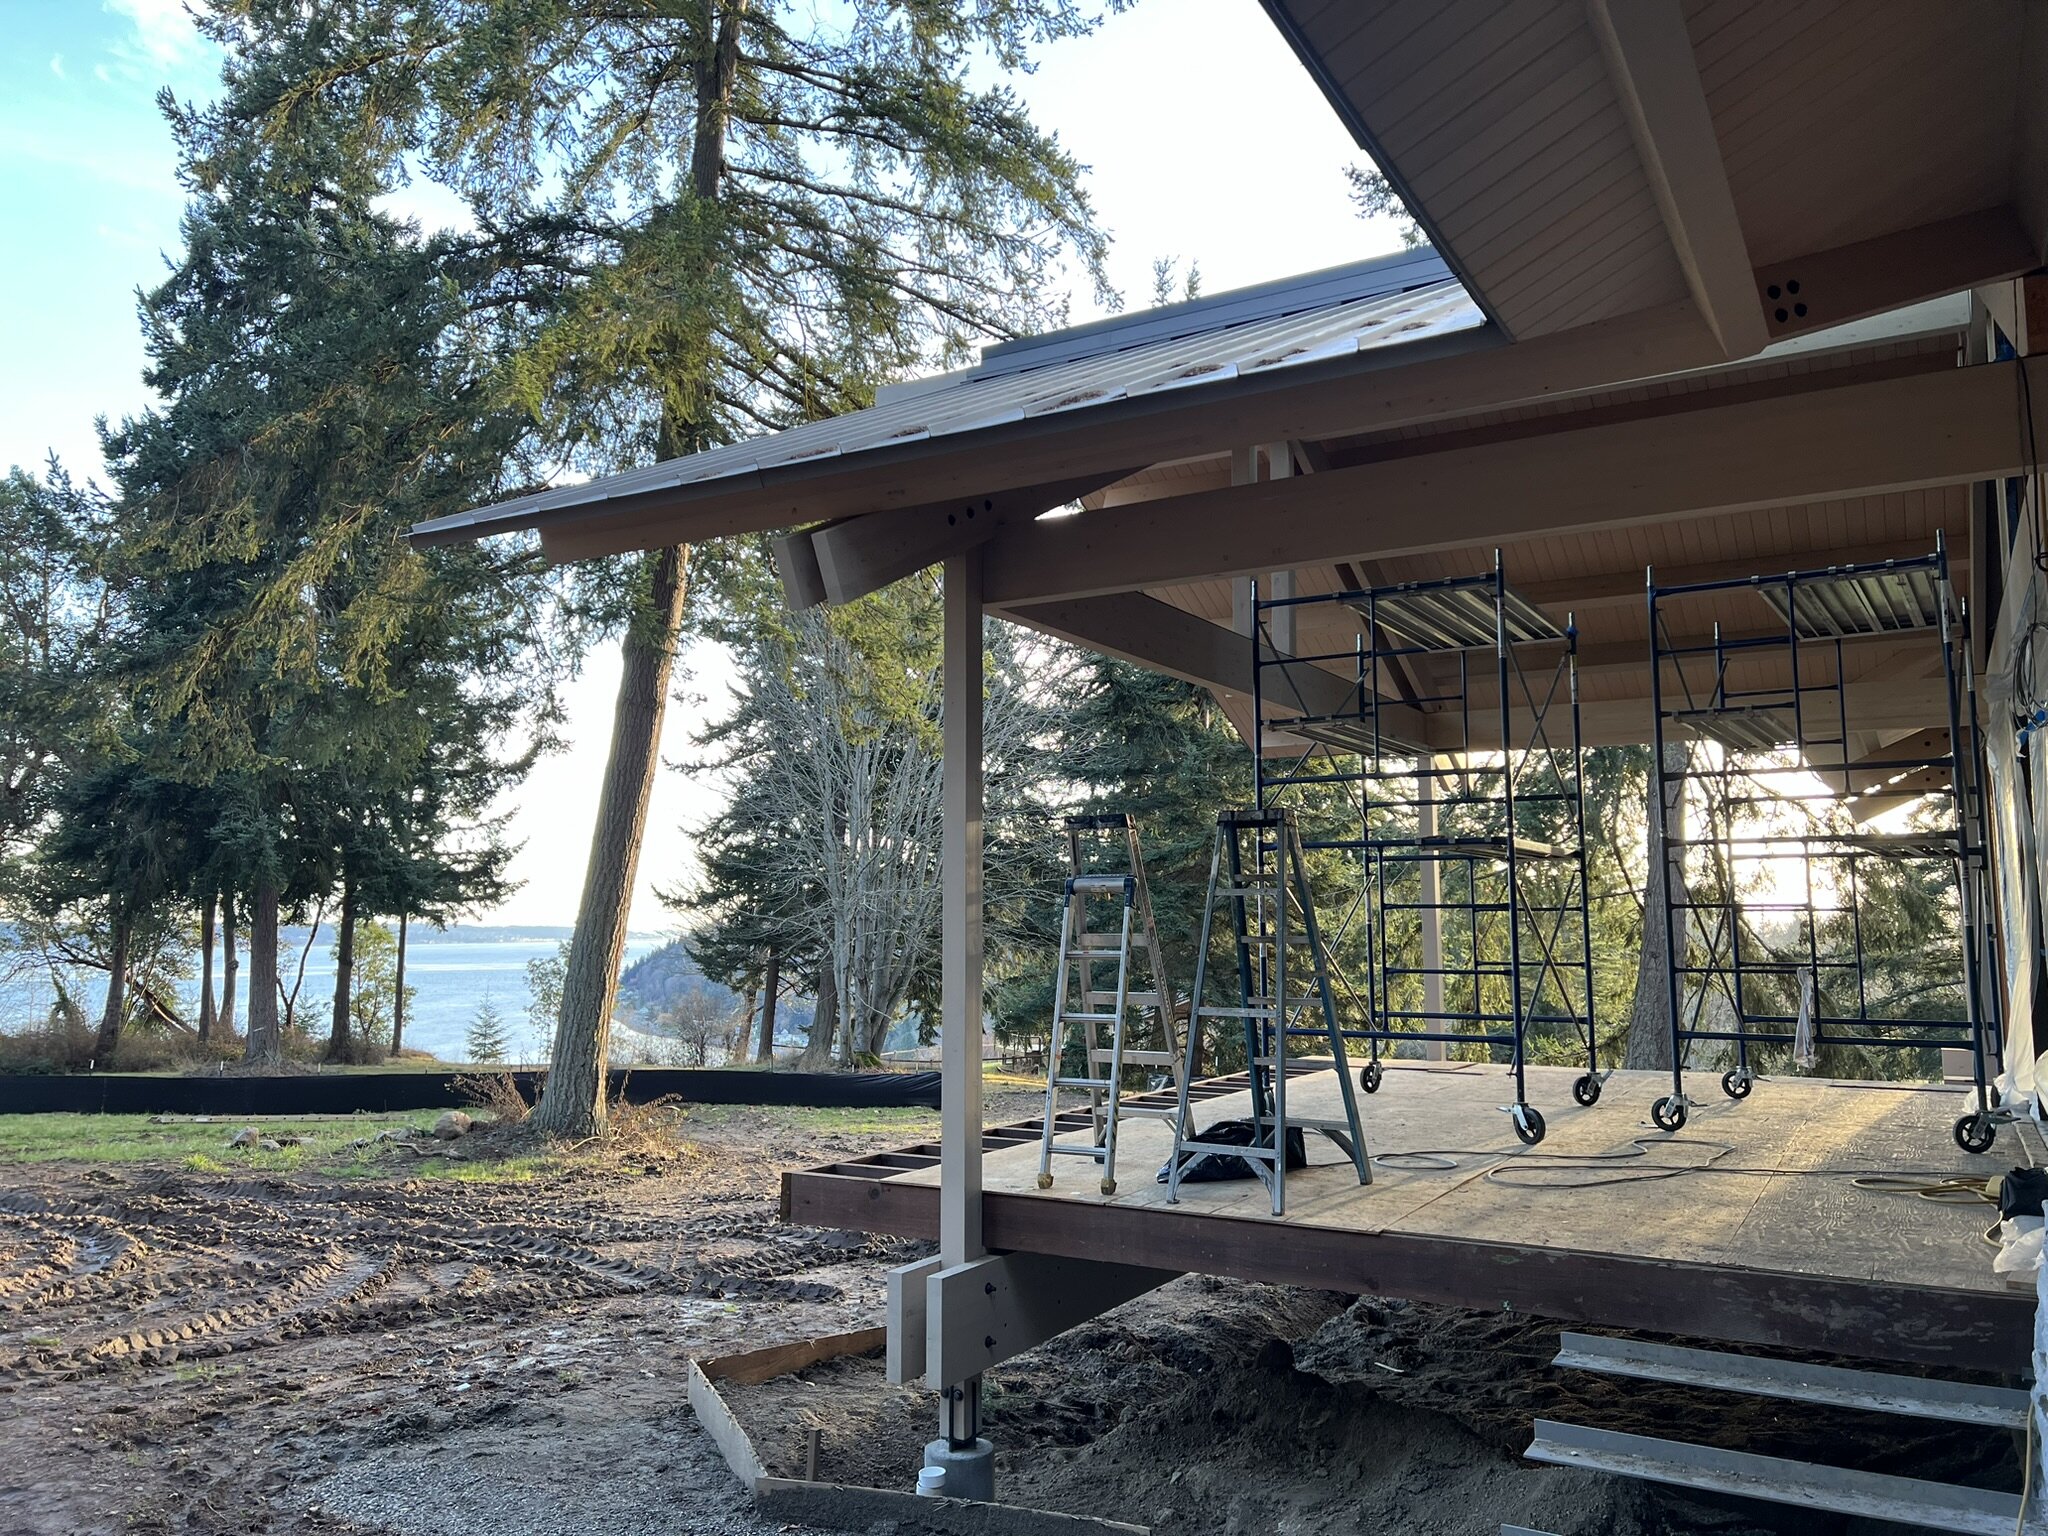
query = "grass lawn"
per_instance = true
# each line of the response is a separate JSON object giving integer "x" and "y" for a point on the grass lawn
{"x": 202, "y": 1147}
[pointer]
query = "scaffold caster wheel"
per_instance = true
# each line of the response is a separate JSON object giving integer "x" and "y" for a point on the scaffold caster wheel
{"x": 1109, "y": 1186}
{"x": 1045, "y": 1181}
{"x": 1669, "y": 1113}
{"x": 1369, "y": 1077}
{"x": 1975, "y": 1133}
{"x": 1587, "y": 1090}
{"x": 1737, "y": 1084}
{"x": 1528, "y": 1123}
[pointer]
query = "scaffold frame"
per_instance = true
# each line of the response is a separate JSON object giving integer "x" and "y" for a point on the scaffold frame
{"x": 1444, "y": 834}
{"x": 1737, "y": 744}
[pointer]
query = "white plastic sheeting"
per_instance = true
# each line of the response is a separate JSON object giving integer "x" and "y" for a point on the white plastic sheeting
{"x": 2018, "y": 787}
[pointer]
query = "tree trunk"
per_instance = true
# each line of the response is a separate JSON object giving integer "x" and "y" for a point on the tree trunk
{"x": 736, "y": 1048}
{"x": 572, "y": 1104}
{"x": 398, "y": 1002}
{"x": 771, "y": 982}
{"x": 266, "y": 1043}
{"x": 1648, "y": 1046}
{"x": 206, "y": 1013}
{"x": 817, "y": 1054}
{"x": 117, "y": 997}
{"x": 340, "y": 1045}
{"x": 230, "y": 966}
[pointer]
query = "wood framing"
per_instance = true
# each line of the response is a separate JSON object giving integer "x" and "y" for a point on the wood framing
{"x": 858, "y": 555}
{"x": 1650, "y": 62}
{"x": 960, "y": 924}
{"x": 1923, "y": 430}
{"x": 1827, "y": 288}
{"x": 1167, "y": 639}
{"x": 1910, "y": 1285}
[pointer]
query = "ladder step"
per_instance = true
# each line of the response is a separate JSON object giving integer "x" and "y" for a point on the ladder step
{"x": 1138, "y": 1058}
{"x": 1102, "y": 943}
{"x": 1088, "y": 1018}
{"x": 1206, "y": 1012}
{"x": 1100, "y": 1085}
{"x": 1874, "y": 1495}
{"x": 1872, "y": 1391}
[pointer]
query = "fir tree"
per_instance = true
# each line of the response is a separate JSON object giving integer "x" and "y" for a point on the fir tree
{"x": 487, "y": 1038}
{"x": 332, "y": 697}
{"x": 716, "y": 219}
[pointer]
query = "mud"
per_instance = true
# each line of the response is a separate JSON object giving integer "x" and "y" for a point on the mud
{"x": 190, "y": 1353}
{"x": 183, "y": 1352}
{"x": 1214, "y": 1407}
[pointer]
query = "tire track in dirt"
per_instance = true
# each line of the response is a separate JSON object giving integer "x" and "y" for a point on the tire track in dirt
{"x": 160, "y": 1266}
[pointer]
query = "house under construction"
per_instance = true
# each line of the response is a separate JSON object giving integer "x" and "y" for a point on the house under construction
{"x": 1706, "y": 421}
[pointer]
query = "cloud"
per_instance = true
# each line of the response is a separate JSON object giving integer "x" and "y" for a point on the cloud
{"x": 57, "y": 65}
{"x": 164, "y": 34}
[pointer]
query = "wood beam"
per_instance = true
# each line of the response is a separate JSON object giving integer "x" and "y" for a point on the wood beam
{"x": 1868, "y": 1319}
{"x": 796, "y": 562}
{"x": 1167, "y": 639}
{"x": 858, "y": 555}
{"x": 1827, "y": 288}
{"x": 1850, "y": 440}
{"x": 1657, "y": 81}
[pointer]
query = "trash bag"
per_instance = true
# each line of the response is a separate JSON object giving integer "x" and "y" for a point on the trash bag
{"x": 2023, "y": 1192}
{"x": 1232, "y": 1133}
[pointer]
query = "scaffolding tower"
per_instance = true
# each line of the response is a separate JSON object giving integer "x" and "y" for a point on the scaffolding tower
{"x": 1779, "y": 814}
{"x": 1467, "y": 870}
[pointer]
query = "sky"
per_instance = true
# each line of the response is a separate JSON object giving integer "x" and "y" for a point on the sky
{"x": 1205, "y": 143}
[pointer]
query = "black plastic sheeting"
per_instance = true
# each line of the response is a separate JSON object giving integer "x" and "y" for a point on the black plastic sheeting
{"x": 346, "y": 1093}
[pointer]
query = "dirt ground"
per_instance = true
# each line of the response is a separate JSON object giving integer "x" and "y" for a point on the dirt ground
{"x": 183, "y": 1350}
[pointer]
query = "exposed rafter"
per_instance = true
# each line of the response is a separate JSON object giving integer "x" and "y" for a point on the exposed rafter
{"x": 1656, "y": 79}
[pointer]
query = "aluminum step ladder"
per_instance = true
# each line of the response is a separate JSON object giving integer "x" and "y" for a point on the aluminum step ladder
{"x": 1107, "y": 875}
{"x": 1258, "y": 877}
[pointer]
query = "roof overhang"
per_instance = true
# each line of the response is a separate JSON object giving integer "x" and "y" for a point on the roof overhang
{"x": 1775, "y": 164}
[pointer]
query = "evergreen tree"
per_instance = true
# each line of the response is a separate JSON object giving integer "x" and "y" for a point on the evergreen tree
{"x": 719, "y": 218}
{"x": 55, "y": 615}
{"x": 316, "y": 682}
{"x": 487, "y": 1038}
{"x": 1138, "y": 742}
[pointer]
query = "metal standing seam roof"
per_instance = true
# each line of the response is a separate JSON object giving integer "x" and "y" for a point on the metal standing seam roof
{"x": 1321, "y": 316}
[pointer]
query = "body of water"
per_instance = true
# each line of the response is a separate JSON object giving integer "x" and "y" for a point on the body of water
{"x": 449, "y": 975}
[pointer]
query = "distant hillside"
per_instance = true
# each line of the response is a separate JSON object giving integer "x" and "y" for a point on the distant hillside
{"x": 657, "y": 982}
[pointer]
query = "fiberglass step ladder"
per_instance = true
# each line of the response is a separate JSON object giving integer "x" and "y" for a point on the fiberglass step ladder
{"x": 1079, "y": 1004}
{"x": 1272, "y": 915}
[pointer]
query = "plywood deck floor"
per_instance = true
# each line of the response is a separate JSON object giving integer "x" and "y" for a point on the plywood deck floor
{"x": 1759, "y": 1209}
